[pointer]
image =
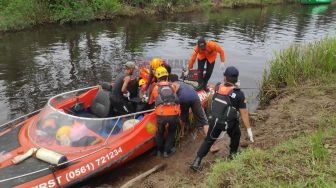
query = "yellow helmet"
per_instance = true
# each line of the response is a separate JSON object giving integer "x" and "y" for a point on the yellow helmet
{"x": 161, "y": 71}
{"x": 63, "y": 131}
{"x": 155, "y": 63}
{"x": 142, "y": 82}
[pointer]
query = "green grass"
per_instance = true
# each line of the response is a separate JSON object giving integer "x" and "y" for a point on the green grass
{"x": 307, "y": 161}
{"x": 312, "y": 64}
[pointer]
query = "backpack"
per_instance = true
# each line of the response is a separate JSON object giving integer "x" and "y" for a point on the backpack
{"x": 166, "y": 95}
{"x": 221, "y": 108}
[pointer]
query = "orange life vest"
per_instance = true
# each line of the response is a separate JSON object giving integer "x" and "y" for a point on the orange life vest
{"x": 166, "y": 100}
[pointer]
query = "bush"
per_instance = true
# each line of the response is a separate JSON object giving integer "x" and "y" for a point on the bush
{"x": 71, "y": 10}
{"x": 105, "y": 8}
{"x": 17, "y": 14}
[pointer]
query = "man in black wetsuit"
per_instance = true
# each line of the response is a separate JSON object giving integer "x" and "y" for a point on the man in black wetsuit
{"x": 120, "y": 95}
{"x": 227, "y": 101}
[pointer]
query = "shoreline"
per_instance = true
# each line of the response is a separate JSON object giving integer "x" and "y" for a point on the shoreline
{"x": 19, "y": 18}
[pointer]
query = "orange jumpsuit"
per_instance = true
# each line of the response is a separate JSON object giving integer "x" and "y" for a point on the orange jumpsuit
{"x": 210, "y": 53}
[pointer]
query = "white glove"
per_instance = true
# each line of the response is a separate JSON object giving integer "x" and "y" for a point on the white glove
{"x": 222, "y": 66}
{"x": 186, "y": 72}
{"x": 144, "y": 98}
{"x": 127, "y": 95}
{"x": 250, "y": 135}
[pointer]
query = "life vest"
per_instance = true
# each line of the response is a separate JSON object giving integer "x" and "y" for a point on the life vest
{"x": 166, "y": 102}
{"x": 144, "y": 74}
{"x": 221, "y": 107}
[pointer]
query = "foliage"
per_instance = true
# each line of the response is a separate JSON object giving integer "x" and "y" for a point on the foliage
{"x": 18, "y": 14}
{"x": 298, "y": 65}
{"x": 71, "y": 10}
{"x": 106, "y": 8}
{"x": 21, "y": 13}
{"x": 303, "y": 162}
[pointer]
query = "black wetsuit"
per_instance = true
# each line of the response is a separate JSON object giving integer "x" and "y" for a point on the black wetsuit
{"x": 237, "y": 99}
{"x": 120, "y": 104}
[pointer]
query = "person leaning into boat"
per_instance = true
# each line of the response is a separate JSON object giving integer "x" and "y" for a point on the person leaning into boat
{"x": 120, "y": 95}
{"x": 167, "y": 110}
{"x": 223, "y": 116}
{"x": 188, "y": 98}
{"x": 154, "y": 64}
{"x": 206, "y": 51}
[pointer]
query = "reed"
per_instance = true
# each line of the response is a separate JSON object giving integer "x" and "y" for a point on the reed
{"x": 312, "y": 64}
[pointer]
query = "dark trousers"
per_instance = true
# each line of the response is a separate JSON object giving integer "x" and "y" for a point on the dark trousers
{"x": 121, "y": 106}
{"x": 209, "y": 68}
{"x": 162, "y": 121}
{"x": 200, "y": 118}
{"x": 214, "y": 132}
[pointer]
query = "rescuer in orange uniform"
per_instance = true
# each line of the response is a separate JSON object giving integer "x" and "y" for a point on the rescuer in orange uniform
{"x": 206, "y": 51}
{"x": 167, "y": 110}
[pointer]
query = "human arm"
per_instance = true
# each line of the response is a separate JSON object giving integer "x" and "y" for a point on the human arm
{"x": 220, "y": 50}
{"x": 246, "y": 122}
{"x": 245, "y": 117}
{"x": 152, "y": 94}
{"x": 127, "y": 79}
{"x": 150, "y": 78}
{"x": 193, "y": 58}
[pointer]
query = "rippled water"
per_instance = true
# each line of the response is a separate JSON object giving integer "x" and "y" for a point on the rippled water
{"x": 41, "y": 62}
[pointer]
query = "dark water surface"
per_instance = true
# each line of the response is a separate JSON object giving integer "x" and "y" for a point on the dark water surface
{"x": 38, "y": 63}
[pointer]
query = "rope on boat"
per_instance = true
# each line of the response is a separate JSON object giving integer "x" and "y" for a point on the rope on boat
{"x": 115, "y": 124}
{"x": 53, "y": 170}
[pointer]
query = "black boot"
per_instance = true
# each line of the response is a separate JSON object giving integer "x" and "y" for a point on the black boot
{"x": 196, "y": 165}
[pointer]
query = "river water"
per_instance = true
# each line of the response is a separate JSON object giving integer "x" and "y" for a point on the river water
{"x": 38, "y": 63}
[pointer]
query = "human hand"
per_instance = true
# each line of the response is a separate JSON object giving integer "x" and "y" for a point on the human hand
{"x": 144, "y": 98}
{"x": 250, "y": 134}
{"x": 127, "y": 95}
{"x": 186, "y": 72}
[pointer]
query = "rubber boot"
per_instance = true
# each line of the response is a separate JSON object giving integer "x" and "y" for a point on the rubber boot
{"x": 196, "y": 165}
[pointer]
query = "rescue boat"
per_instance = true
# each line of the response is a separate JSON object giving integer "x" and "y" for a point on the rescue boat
{"x": 71, "y": 139}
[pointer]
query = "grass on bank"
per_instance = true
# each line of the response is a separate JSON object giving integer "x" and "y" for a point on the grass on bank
{"x": 313, "y": 64}
{"x": 19, "y": 14}
{"x": 308, "y": 161}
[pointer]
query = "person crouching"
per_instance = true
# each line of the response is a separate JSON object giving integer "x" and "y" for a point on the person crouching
{"x": 167, "y": 110}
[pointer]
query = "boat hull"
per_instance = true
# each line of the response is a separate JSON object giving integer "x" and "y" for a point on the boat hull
{"x": 83, "y": 162}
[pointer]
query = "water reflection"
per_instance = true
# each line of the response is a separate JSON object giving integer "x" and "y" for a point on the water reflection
{"x": 39, "y": 63}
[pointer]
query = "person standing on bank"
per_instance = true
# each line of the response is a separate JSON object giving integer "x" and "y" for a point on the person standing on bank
{"x": 120, "y": 95}
{"x": 167, "y": 111}
{"x": 225, "y": 104}
{"x": 206, "y": 51}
